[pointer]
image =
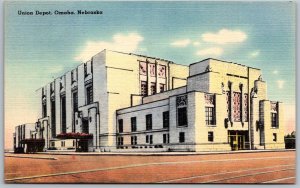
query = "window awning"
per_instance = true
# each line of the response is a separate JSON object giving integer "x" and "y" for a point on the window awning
{"x": 74, "y": 136}
{"x": 32, "y": 140}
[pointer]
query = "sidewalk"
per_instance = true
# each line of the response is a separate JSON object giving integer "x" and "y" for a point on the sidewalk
{"x": 145, "y": 153}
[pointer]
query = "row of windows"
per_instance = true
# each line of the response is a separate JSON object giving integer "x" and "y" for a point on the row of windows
{"x": 144, "y": 88}
{"x": 148, "y": 122}
{"x": 166, "y": 138}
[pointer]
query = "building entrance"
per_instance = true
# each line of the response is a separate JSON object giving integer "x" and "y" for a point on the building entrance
{"x": 238, "y": 140}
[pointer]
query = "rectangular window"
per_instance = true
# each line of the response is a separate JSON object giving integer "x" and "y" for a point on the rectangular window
{"x": 63, "y": 114}
{"x": 166, "y": 138}
{"x": 182, "y": 116}
{"x": 144, "y": 88}
{"x": 89, "y": 95}
{"x": 133, "y": 140}
{"x": 210, "y": 136}
{"x": 53, "y": 119}
{"x": 75, "y": 101}
{"x": 275, "y": 137}
{"x": 120, "y": 141}
{"x": 62, "y": 143}
{"x": 166, "y": 119}
{"x": 161, "y": 88}
{"x": 148, "y": 121}
{"x": 133, "y": 124}
{"x": 52, "y": 144}
{"x": 149, "y": 139}
{"x": 44, "y": 109}
{"x": 153, "y": 88}
{"x": 181, "y": 137}
{"x": 274, "y": 120}
{"x": 210, "y": 115}
{"x": 120, "y": 122}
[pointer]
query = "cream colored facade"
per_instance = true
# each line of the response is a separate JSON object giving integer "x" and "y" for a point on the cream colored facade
{"x": 131, "y": 103}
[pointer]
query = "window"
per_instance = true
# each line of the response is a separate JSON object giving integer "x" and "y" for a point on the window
{"x": 161, "y": 88}
{"x": 245, "y": 108}
{"x": 166, "y": 138}
{"x": 133, "y": 140}
{"x": 120, "y": 141}
{"x": 53, "y": 119}
{"x": 149, "y": 139}
{"x": 44, "y": 108}
{"x": 62, "y": 143}
{"x": 52, "y": 143}
{"x": 182, "y": 116}
{"x": 210, "y": 136}
{"x": 181, "y": 137}
{"x": 75, "y": 101}
{"x": 144, "y": 88}
{"x": 274, "y": 120}
{"x": 210, "y": 115}
{"x": 149, "y": 122}
{"x": 166, "y": 119}
{"x": 153, "y": 88}
{"x": 275, "y": 137}
{"x": 89, "y": 94}
{"x": 120, "y": 125}
{"x": 63, "y": 114}
{"x": 133, "y": 124}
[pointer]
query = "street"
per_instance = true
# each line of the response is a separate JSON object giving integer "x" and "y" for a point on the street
{"x": 256, "y": 167}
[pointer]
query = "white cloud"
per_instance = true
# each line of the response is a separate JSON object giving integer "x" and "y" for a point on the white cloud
{"x": 280, "y": 83}
{"x": 181, "y": 43}
{"x": 196, "y": 43}
{"x": 254, "y": 53}
{"x": 121, "y": 42}
{"x": 275, "y": 72}
{"x": 214, "y": 51}
{"x": 225, "y": 36}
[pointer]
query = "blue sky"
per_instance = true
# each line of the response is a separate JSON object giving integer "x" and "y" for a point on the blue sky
{"x": 39, "y": 48}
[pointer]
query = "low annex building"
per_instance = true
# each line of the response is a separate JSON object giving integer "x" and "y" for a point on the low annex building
{"x": 123, "y": 102}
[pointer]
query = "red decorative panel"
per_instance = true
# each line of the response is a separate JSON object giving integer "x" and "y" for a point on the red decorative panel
{"x": 209, "y": 99}
{"x": 245, "y": 108}
{"x": 236, "y": 106}
{"x": 152, "y": 69}
{"x": 143, "y": 68}
{"x": 162, "y": 71}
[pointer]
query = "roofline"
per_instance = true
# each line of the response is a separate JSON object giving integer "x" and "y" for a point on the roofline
{"x": 222, "y": 61}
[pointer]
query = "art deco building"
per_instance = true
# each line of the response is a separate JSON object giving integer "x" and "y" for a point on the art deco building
{"x": 122, "y": 102}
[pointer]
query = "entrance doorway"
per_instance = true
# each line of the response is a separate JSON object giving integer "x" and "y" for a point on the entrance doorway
{"x": 238, "y": 140}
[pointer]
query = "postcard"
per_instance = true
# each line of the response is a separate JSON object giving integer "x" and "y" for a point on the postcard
{"x": 150, "y": 92}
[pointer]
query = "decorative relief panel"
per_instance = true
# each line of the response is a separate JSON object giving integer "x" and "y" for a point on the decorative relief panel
{"x": 274, "y": 106}
{"x": 143, "y": 68}
{"x": 228, "y": 103}
{"x": 209, "y": 99}
{"x": 245, "y": 108}
{"x": 152, "y": 69}
{"x": 161, "y": 71}
{"x": 181, "y": 101}
{"x": 236, "y": 106}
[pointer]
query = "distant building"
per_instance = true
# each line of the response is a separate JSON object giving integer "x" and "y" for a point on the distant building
{"x": 122, "y": 102}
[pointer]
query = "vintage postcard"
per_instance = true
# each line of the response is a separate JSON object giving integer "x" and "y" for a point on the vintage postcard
{"x": 149, "y": 92}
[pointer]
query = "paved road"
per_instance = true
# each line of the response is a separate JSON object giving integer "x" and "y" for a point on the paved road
{"x": 263, "y": 167}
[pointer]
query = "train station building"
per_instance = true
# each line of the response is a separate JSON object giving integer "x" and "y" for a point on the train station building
{"x": 123, "y": 102}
